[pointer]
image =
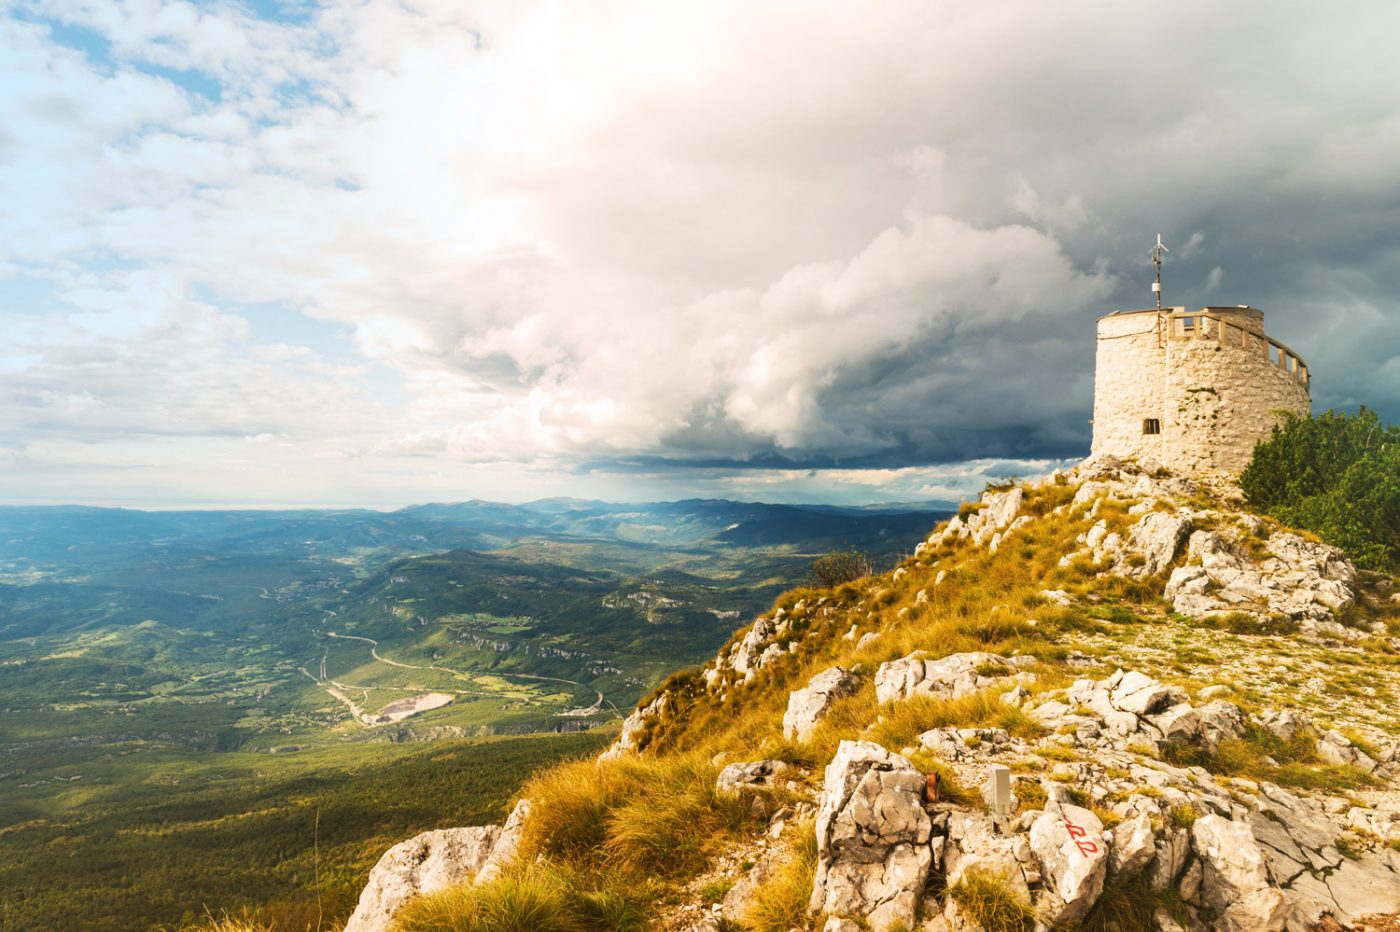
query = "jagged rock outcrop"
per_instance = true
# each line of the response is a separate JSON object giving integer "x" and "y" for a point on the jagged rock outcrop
{"x": 635, "y": 728}
{"x": 755, "y": 649}
{"x": 809, "y": 705}
{"x": 1235, "y": 877}
{"x": 1252, "y": 856}
{"x": 1157, "y": 537}
{"x": 955, "y": 675}
{"x": 1132, "y": 708}
{"x": 507, "y": 846}
{"x": 1300, "y": 579}
{"x": 1233, "y": 564}
{"x": 736, "y": 778}
{"x": 1122, "y": 784}
{"x": 1069, "y": 842}
{"x": 434, "y": 861}
{"x": 424, "y": 864}
{"x": 998, "y": 517}
{"x": 873, "y": 852}
{"x": 1133, "y": 846}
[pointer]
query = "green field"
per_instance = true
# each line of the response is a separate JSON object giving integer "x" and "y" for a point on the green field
{"x": 138, "y": 835}
{"x": 185, "y": 697}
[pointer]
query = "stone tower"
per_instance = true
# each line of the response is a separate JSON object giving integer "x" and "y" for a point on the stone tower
{"x": 1192, "y": 391}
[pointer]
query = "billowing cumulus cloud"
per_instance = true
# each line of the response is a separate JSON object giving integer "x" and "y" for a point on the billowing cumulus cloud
{"x": 382, "y": 251}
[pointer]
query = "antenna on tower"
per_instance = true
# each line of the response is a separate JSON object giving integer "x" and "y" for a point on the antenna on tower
{"x": 1157, "y": 262}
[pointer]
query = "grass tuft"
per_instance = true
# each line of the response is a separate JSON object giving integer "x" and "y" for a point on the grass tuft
{"x": 1261, "y": 755}
{"x": 661, "y": 813}
{"x": 528, "y": 900}
{"x": 902, "y": 722}
{"x": 991, "y": 902}
{"x": 781, "y": 903}
{"x": 232, "y": 922}
{"x": 1124, "y": 906}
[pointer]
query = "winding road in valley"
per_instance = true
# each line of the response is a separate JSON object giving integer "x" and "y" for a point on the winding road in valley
{"x": 335, "y": 688}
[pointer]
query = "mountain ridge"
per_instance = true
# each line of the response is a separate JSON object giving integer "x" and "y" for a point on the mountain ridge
{"x": 1104, "y": 633}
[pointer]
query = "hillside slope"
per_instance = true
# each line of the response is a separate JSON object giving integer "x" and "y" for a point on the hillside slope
{"x": 1196, "y": 710}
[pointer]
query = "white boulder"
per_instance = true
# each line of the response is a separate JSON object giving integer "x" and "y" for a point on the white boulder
{"x": 424, "y": 864}
{"x": 873, "y": 853}
{"x": 808, "y": 706}
{"x": 955, "y": 675}
{"x": 1069, "y": 844}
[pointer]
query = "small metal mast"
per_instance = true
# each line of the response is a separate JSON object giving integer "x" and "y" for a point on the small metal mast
{"x": 1157, "y": 261}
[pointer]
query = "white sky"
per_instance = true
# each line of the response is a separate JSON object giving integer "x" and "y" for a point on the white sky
{"x": 386, "y": 252}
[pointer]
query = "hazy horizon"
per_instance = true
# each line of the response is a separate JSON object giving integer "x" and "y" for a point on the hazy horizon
{"x": 925, "y": 504}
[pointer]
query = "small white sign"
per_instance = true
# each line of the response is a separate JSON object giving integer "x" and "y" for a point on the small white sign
{"x": 999, "y": 790}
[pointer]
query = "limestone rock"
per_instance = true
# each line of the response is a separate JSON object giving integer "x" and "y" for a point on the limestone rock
{"x": 1335, "y": 747}
{"x": 737, "y": 777}
{"x": 1172, "y": 850}
{"x": 749, "y": 651}
{"x": 1235, "y": 878}
{"x": 507, "y": 843}
{"x": 424, "y": 864}
{"x": 1003, "y": 507}
{"x": 973, "y": 844}
{"x": 808, "y": 706}
{"x": 1220, "y": 720}
{"x": 1285, "y": 723}
{"x": 1133, "y": 845}
{"x": 873, "y": 855}
{"x": 1070, "y": 846}
{"x": 1157, "y": 536}
{"x": 1367, "y": 886}
{"x": 1178, "y": 723}
{"x": 954, "y": 675}
{"x": 1142, "y": 695}
{"x": 1298, "y": 578}
{"x": 635, "y": 728}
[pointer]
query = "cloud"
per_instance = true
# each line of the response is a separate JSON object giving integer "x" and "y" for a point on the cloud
{"x": 740, "y": 234}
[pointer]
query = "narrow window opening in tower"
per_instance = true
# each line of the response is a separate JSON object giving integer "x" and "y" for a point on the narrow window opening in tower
{"x": 1188, "y": 323}
{"x": 1151, "y": 426}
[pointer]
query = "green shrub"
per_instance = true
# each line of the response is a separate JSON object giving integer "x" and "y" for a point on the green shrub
{"x": 1337, "y": 475}
{"x": 838, "y": 567}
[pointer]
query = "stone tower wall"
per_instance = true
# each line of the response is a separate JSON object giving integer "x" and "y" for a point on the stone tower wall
{"x": 1211, "y": 379}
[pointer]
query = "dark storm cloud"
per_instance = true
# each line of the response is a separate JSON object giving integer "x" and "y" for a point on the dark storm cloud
{"x": 746, "y": 236}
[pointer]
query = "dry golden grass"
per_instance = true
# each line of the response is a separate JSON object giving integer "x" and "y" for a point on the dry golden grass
{"x": 986, "y": 602}
{"x": 530, "y": 900}
{"x": 657, "y": 815}
{"x": 234, "y": 922}
{"x": 781, "y": 903}
{"x": 991, "y": 902}
{"x": 661, "y": 813}
{"x": 901, "y": 723}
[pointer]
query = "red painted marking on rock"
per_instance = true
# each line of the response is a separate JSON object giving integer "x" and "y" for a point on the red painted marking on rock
{"x": 1079, "y": 835}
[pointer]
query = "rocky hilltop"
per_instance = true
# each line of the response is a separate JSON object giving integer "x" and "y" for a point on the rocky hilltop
{"x": 1112, "y": 699}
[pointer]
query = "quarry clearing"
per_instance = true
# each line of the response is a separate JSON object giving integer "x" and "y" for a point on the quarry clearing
{"x": 400, "y": 709}
{"x": 404, "y": 708}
